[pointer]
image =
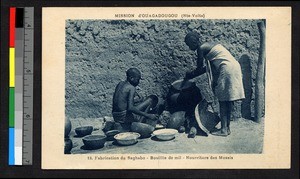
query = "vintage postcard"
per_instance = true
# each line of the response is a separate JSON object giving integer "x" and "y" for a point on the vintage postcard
{"x": 166, "y": 88}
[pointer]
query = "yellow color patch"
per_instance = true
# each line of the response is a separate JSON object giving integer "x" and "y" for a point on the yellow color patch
{"x": 11, "y": 67}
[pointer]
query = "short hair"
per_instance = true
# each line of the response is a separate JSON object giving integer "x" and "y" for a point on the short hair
{"x": 191, "y": 35}
{"x": 132, "y": 72}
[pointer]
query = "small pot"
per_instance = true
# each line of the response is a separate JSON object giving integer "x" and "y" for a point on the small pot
{"x": 177, "y": 119}
{"x": 68, "y": 145}
{"x": 110, "y": 134}
{"x": 68, "y": 127}
{"x": 183, "y": 95}
{"x": 94, "y": 141}
{"x": 145, "y": 130}
{"x": 84, "y": 130}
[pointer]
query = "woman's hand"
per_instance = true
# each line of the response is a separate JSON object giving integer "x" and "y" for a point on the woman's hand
{"x": 138, "y": 99}
{"x": 153, "y": 116}
{"x": 195, "y": 73}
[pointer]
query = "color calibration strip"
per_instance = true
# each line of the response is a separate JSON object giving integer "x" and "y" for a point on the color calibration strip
{"x": 20, "y": 85}
{"x": 12, "y": 22}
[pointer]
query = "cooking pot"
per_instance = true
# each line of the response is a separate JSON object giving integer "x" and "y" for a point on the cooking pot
{"x": 68, "y": 127}
{"x": 68, "y": 145}
{"x": 183, "y": 95}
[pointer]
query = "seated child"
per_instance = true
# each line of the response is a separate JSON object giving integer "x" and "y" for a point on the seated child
{"x": 124, "y": 110}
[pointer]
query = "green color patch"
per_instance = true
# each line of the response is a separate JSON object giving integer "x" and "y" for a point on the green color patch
{"x": 11, "y": 107}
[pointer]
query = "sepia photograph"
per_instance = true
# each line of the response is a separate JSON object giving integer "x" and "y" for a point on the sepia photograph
{"x": 166, "y": 88}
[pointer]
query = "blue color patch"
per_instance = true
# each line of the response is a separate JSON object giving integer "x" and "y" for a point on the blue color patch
{"x": 11, "y": 147}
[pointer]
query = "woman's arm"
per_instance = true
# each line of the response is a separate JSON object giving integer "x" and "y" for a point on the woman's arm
{"x": 200, "y": 69}
{"x": 133, "y": 109}
{"x": 197, "y": 72}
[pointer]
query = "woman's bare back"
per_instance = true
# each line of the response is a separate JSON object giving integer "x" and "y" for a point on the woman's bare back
{"x": 120, "y": 98}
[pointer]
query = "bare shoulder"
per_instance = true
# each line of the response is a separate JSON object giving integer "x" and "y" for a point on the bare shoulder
{"x": 129, "y": 87}
{"x": 124, "y": 86}
{"x": 207, "y": 46}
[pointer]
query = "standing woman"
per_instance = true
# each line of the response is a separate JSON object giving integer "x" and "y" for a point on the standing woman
{"x": 224, "y": 76}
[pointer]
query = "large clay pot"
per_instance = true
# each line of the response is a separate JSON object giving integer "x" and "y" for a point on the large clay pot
{"x": 183, "y": 95}
{"x": 177, "y": 119}
{"x": 68, "y": 127}
{"x": 143, "y": 129}
{"x": 68, "y": 145}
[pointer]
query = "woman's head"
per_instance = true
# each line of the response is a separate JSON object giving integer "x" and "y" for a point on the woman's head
{"x": 192, "y": 40}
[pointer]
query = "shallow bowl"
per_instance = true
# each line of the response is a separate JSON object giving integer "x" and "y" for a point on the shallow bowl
{"x": 127, "y": 138}
{"x": 165, "y": 134}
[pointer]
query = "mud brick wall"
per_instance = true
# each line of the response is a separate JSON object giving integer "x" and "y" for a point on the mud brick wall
{"x": 98, "y": 53}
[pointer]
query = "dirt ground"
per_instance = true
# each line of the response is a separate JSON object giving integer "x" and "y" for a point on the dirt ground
{"x": 246, "y": 137}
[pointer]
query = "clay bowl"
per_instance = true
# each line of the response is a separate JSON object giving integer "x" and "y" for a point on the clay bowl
{"x": 165, "y": 134}
{"x": 159, "y": 126}
{"x": 143, "y": 129}
{"x": 110, "y": 134}
{"x": 182, "y": 84}
{"x": 84, "y": 130}
{"x": 94, "y": 141}
{"x": 177, "y": 119}
{"x": 127, "y": 138}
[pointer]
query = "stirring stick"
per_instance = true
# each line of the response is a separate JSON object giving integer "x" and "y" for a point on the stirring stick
{"x": 183, "y": 82}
